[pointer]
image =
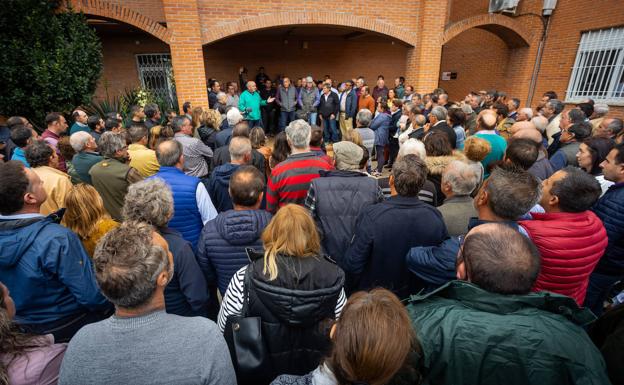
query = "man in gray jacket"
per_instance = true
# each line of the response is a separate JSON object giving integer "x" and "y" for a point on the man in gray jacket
{"x": 286, "y": 99}
{"x": 458, "y": 181}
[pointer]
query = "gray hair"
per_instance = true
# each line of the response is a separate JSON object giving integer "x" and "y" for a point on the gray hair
{"x": 420, "y": 120}
{"x": 467, "y": 108}
{"x": 79, "y": 140}
{"x": 178, "y": 122}
{"x": 601, "y": 109}
{"x": 110, "y": 143}
{"x": 136, "y": 132}
{"x": 364, "y": 117}
{"x": 233, "y": 117}
{"x": 239, "y": 147}
{"x": 298, "y": 133}
{"x": 169, "y": 152}
{"x": 540, "y": 122}
{"x": 512, "y": 192}
{"x": 409, "y": 174}
{"x": 149, "y": 201}
{"x": 127, "y": 264}
{"x": 556, "y": 105}
{"x": 414, "y": 147}
{"x": 615, "y": 126}
{"x": 439, "y": 112}
{"x": 527, "y": 111}
{"x": 462, "y": 177}
{"x": 309, "y": 79}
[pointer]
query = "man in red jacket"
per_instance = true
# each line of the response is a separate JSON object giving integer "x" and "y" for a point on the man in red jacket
{"x": 571, "y": 239}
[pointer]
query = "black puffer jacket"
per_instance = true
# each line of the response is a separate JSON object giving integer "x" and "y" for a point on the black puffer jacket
{"x": 297, "y": 310}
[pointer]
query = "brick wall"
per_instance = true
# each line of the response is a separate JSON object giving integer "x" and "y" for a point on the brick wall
{"x": 120, "y": 68}
{"x": 342, "y": 60}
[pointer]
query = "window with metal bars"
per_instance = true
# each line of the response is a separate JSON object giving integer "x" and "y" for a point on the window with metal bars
{"x": 156, "y": 75}
{"x": 598, "y": 71}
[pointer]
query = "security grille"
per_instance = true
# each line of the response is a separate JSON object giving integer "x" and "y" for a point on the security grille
{"x": 156, "y": 75}
{"x": 598, "y": 71}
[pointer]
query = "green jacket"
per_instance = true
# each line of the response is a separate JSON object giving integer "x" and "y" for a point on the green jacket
{"x": 253, "y": 101}
{"x": 471, "y": 336}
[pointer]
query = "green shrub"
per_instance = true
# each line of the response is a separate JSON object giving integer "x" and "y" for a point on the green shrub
{"x": 49, "y": 60}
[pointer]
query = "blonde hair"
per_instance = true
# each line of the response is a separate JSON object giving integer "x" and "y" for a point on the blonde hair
{"x": 291, "y": 233}
{"x": 159, "y": 133}
{"x": 211, "y": 118}
{"x": 85, "y": 209}
{"x": 353, "y": 136}
{"x": 476, "y": 149}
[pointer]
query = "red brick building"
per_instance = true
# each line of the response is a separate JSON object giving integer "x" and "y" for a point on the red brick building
{"x": 582, "y": 54}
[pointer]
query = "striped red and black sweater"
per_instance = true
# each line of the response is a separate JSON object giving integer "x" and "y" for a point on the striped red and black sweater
{"x": 290, "y": 179}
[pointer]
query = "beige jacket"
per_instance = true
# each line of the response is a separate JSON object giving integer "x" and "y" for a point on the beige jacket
{"x": 56, "y": 184}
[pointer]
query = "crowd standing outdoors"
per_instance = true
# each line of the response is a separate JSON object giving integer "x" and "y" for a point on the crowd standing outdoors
{"x": 260, "y": 241}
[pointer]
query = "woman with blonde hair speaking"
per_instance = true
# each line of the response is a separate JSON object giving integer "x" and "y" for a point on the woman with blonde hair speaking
{"x": 296, "y": 292}
{"x": 85, "y": 215}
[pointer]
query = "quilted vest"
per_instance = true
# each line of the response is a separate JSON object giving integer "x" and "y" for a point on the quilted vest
{"x": 186, "y": 218}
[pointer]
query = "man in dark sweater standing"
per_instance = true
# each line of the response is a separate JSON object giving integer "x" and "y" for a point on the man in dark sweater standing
{"x": 329, "y": 107}
{"x": 141, "y": 344}
{"x": 386, "y": 231}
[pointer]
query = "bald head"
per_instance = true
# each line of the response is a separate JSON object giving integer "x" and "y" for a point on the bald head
{"x": 497, "y": 258}
{"x": 169, "y": 153}
{"x": 540, "y": 123}
{"x": 521, "y": 126}
{"x": 487, "y": 120}
{"x": 531, "y": 134}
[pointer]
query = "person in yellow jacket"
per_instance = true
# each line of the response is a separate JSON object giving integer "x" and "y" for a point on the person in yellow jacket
{"x": 44, "y": 162}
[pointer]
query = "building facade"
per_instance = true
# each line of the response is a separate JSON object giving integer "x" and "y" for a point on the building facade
{"x": 455, "y": 44}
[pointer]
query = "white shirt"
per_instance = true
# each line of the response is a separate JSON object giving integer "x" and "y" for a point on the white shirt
{"x": 204, "y": 204}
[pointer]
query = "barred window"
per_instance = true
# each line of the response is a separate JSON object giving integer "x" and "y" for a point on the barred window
{"x": 598, "y": 71}
{"x": 156, "y": 74}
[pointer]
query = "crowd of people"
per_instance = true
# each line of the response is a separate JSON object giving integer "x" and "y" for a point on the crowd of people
{"x": 315, "y": 233}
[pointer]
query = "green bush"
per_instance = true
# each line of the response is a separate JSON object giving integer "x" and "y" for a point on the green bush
{"x": 49, "y": 60}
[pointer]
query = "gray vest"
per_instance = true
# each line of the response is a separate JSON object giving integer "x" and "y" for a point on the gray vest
{"x": 288, "y": 98}
{"x": 570, "y": 150}
{"x": 307, "y": 99}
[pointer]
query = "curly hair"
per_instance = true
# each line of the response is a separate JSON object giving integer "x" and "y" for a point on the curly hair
{"x": 149, "y": 201}
{"x": 38, "y": 153}
{"x": 211, "y": 118}
{"x": 476, "y": 149}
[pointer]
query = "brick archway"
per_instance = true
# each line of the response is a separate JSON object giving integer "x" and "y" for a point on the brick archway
{"x": 280, "y": 19}
{"x": 117, "y": 12}
{"x": 512, "y": 31}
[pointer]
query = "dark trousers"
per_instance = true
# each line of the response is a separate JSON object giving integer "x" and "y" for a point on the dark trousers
{"x": 64, "y": 329}
{"x": 381, "y": 159}
{"x": 393, "y": 150}
{"x": 285, "y": 118}
{"x": 254, "y": 123}
{"x": 598, "y": 291}
{"x": 330, "y": 131}
{"x": 269, "y": 121}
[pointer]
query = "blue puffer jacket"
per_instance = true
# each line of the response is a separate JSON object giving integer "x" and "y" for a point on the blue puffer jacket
{"x": 221, "y": 248}
{"x": 47, "y": 271}
{"x": 218, "y": 186}
{"x": 381, "y": 125}
{"x": 610, "y": 209}
{"x": 186, "y": 216}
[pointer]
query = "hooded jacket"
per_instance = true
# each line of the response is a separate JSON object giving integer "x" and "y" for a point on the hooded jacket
{"x": 570, "y": 245}
{"x": 47, "y": 271}
{"x": 221, "y": 249}
{"x": 218, "y": 186}
{"x": 472, "y": 336}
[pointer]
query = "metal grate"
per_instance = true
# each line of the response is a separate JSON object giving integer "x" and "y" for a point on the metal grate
{"x": 156, "y": 75}
{"x": 598, "y": 71}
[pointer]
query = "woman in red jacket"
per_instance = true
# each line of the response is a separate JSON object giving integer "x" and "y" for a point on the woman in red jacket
{"x": 571, "y": 239}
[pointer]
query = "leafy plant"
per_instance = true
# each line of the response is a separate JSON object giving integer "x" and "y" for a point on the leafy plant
{"x": 49, "y": 60}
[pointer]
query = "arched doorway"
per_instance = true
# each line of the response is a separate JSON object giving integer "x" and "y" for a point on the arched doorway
{"x": 486, "y": 52}
{"x": 299, "y": 50}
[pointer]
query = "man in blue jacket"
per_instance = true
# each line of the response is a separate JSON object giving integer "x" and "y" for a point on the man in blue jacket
{"x": 43, "y": 263}
{"x": 221, "y": 251}
{"x": 610, "y": 209}
{"x": 348, "y": 108}
{"x": 384, "y": 233}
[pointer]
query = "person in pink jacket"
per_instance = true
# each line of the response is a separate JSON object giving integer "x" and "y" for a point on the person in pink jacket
{"x": 570, "y": 238}
{"x": 25, "y": 359}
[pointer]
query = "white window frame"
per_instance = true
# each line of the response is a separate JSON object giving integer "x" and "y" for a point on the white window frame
{"x": 598, "y": 71}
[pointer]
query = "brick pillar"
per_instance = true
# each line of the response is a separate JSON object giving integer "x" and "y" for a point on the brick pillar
{"x": 187, "y": 55}
{"x": 423, "y": 61}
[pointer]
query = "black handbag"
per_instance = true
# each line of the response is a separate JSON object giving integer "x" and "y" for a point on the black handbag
{"x": 248, "y": 350}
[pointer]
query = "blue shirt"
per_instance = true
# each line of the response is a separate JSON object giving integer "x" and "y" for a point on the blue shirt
{"x": 18, "y": 154}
